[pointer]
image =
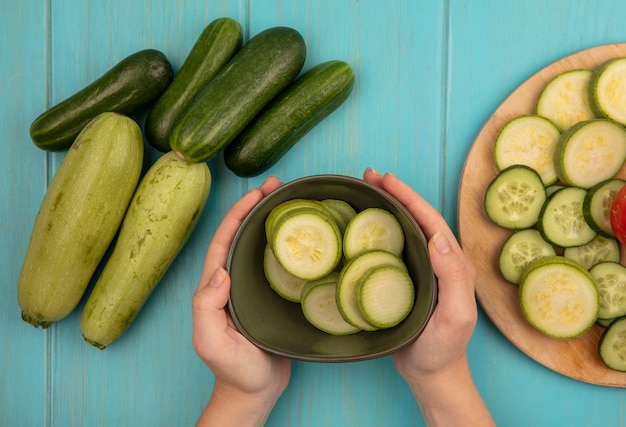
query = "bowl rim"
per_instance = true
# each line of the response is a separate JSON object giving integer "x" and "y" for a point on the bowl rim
{"x": 318, "y": 358}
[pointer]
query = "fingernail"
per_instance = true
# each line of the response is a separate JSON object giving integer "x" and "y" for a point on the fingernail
{"x": 372, "y": 170}
{"x": 218, "y": 277}
{"x": 441, "y": 243}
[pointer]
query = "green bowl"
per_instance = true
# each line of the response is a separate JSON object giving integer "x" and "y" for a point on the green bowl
{"x": 279, "y": 326}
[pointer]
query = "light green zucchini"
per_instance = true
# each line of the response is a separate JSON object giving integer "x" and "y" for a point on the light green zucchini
{"x": 161, "y": 216}
{"x": 79, "y": 216}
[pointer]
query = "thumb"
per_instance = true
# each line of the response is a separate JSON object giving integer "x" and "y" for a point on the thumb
{"x": 213, "y": 294}
{"x": 208, "y": 311}
{"x": 455, "y": 274}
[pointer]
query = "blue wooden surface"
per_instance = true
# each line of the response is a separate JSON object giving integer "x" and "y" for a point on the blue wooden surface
{"x": 429, "y": 74}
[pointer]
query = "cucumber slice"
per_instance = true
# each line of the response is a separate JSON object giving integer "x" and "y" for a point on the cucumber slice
{"x": 590, "y": 152}
{"x": 373, "y": 228}
{"x": 386, "y": 295}
{"x": 612, "y": 345}
{"x": 600, "y": 249}
{"x": 514, "y": 198}
{"x": 319, "y": 307}
{"x": 283, "y": 283}
{"x": 565, "y": 99}
{"x": 561, "y": 220}
{"x": 610, "y": 278}
{"x": 607, "y": 90}
{"x": 558, "y": 297}
{"x": 528, "y": 140}
{"x": 347, "y": 286}
{"x": 519, "y": 250}
{"x": 279, "y": 210}
{"x": 597, "y": 205}
{"x": 307, "y": 243}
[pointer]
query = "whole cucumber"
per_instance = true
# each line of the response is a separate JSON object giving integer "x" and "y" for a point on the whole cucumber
{"x": 79, "y": 216}
{"x": 161, "y": 216}
{"x": 296, "y": 110}
{"x": 216, "y": 45}
{"x": 263, "y": 67}
{"x": 127, "y": 88}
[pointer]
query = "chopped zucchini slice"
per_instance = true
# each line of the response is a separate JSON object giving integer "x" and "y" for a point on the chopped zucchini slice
{"x": 307, "y": 243}
{"x": 281, "y": 209}
{"x": 558, "y": 297}
{"x": 565, "y": 99}
{"x": 590, "y": 152}
{"x": 528, "y": 140}
{"x": 514, "y": 198}
{"x": 519, "y": 250}
{"x": 319, "y": 307}
{"x": 373, "y": 228}
{"x": 283, "y": 283}
{"x": 607, "y": 90}
{"x": 386, "y": 295}
{"x": 347, "y": 286}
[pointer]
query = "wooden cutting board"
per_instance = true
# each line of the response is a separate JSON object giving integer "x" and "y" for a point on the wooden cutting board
{"x": 481, "y": 239}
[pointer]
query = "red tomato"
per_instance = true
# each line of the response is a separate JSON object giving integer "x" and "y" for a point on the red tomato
{"x": 618, "y": 215}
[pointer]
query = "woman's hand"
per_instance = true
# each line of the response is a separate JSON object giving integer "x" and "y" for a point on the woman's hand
{"x": 248, "y": 381}
{"x": 435, "y": 366}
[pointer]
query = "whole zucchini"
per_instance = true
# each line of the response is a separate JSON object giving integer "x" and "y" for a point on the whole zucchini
{"x": 216, "y": 45}
{"x": 295, "y": 111}
{"x": 263, "y": 67}
{"x": 127, "y": 88}
{"x": 161, "y": 216}
{"x": 79, "y": 216}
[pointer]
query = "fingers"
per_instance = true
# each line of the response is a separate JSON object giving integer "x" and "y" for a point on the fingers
{"x": 217, "y": 253}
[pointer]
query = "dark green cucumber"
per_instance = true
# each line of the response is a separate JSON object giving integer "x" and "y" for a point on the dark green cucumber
{"x": 295, "y": 111}
{"x": 262, "y": 68}
{"x": 79, "y": 216}
{"x": 161, "y": 216}
{"x": 216, "y": 45}
{"x": 127, "y": 88}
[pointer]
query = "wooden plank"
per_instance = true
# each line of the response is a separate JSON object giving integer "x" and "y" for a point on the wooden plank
{"x": 23, "y": 374}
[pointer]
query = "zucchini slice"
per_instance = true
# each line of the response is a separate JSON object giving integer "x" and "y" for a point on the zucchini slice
{"x": 590, "y": 152}
{"x": 319, "y": 307}
{"x": 347, "y": 286}
{"x": 373, "y": 228}
{"x": 565, "y": 99}
{"x": 307, "y": 243}
{"x": 279, "y": 210}
{"x": 612, "y": 345}
{"x": 558, "y": 297}
{"x": 610, "y": 278}
{"x": 600, "y": 249}
{"x": 528, "y": 140}
{"x": 514, "y": 198}
{"x": 386, "y": 295}
{"x": 519, "y": 250}
{"x": 283, "y": 283}
{"x": 607, "y": 90}
{"x": 561, "y": 220}
{"x": 597, "y": 205}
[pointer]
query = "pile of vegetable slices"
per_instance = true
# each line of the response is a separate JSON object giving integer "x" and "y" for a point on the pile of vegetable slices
{"x": 343, "y": 267}
{"x": 559, "y": 190}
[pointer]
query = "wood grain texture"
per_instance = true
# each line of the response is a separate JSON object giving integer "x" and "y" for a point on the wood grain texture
{"x": 429, "y": 75}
